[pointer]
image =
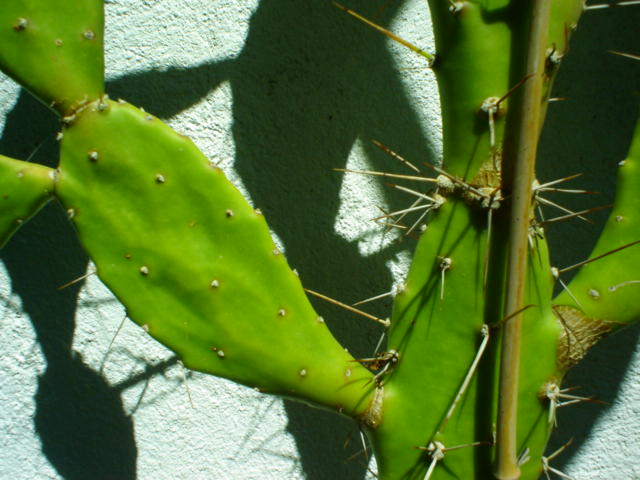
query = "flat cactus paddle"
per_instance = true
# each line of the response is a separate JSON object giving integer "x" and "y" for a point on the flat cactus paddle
{"x": 194, "y": 263}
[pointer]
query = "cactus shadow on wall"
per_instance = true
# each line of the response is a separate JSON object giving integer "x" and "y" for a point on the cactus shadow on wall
{"x": 79, "y": 418}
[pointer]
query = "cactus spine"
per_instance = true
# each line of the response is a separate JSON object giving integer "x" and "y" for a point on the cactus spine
{"x": 151, "y": 211}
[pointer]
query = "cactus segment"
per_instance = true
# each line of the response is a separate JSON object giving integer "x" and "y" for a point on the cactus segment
{"x": 435, "y": 331}
{"x": 606, "y": 290}
{"x": 24, "y": 188}
{"x": 194, "y": 263}
{"x": 54, "y": 49}
{"x": 477, "y": 68}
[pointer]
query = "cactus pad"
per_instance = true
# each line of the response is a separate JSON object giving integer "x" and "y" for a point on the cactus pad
{"x": 436, "y": 330}
{"x": 54, "y": 49}
{"x": 193, "y": 263}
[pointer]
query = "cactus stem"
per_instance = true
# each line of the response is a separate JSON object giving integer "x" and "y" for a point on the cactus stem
{"x": 384, "y": 322}
{"x": 386, "y": 32}
{"x": 585, "y": 262}
{"x": 523, "y": 153}
{"x": 521, "y": 150}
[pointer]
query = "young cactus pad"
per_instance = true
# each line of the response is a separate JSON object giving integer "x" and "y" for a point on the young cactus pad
{"x": 193, "y": 263}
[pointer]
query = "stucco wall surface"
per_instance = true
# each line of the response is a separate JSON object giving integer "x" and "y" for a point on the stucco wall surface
{"x": 279, "y": 93}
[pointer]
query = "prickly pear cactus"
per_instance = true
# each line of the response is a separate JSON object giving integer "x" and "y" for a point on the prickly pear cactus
{"x": 469, "y": 380}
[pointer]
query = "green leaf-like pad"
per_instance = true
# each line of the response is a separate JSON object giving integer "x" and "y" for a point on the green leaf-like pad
{"x": 194, "y": 263}
{"x": 24, "y": 188}
{"x": 437, "y": 334}
{"x": 54, "y": 49}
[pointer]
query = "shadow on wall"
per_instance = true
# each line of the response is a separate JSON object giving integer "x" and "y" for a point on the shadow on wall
{"x": 79, "y": 417}
{"x": 308, "y": 83}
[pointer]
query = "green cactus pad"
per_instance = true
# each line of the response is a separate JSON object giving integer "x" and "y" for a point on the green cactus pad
{"x": 54, "y": 49}
{"x": 437, "y": 335}
{"x": 194, "y": 263}
{"x": 607, "y": 289}
{"x": 24, "y": 188}
{"x": 477, "y": 40}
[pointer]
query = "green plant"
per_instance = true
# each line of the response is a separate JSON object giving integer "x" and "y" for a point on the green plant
{"x": 102, "y": 183}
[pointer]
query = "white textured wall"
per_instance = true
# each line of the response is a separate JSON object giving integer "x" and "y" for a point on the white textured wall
{"x": 278, "y": 92}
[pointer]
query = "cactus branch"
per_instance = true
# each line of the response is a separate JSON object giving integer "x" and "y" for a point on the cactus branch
{"x": 524, "y": 151}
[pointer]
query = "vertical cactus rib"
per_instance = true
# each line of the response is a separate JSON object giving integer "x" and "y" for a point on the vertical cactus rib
{"x": 521, "y": 151}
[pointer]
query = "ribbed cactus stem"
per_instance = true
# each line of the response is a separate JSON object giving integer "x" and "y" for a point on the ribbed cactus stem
{"x": 522, "y": 153}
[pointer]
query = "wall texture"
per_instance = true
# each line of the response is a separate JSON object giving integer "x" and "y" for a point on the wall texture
{"x": 279, "y": 92}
